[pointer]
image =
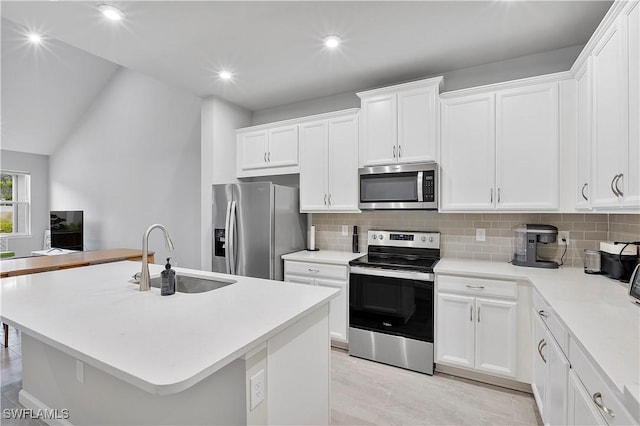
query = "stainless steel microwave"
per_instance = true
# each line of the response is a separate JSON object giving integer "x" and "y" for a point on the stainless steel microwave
{"x": 401, "y": 186}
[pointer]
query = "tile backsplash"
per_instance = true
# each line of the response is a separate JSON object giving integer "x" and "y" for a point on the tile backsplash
{"x": 458, "y": 231}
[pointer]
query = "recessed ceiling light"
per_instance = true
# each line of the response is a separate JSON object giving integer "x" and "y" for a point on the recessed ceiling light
{"x": 35, "y": 38}
{"x": 111, "y": 12}
{"x": 225, "y": 75}
{"x": 332, "y": 41}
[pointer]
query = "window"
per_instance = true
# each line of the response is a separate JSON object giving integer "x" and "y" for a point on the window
{"x": 15, "y": 203}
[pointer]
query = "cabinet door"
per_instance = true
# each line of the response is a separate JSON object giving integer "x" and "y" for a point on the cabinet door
{"x": 580, "y": 408}
{"x": 610, "y": 94}
{"x": 338, "y": 309}
{"x": 557, "y": 377}
{"x": 283, "y": 146}
{"x": 298, "y": 279}
{"x": 496, "y": 336}
{"x": 539, "y": 376}
{"x": 527, "y": 148}
{"x": 417, "y": 125}
{"x": 313, "y": 166}
{"x": 583, "y": 160}
{"x": 343, "y": 164}
{"x": 455, "y": 329}
{"x": 631, "y": 181}
{"x": 379, "y": 130}
{"x": 254, "y": 150}
{"x": 467, "y": 147}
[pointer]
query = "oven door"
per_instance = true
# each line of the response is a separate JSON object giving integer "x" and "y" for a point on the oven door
{"x": 392, "y": 302}
{"x": 411, "y": 186}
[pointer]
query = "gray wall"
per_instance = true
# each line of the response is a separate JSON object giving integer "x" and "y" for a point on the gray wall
{"x": 38, "y": 166}
{"x": 132, "y": 160}
{"x": 510, "y": 69}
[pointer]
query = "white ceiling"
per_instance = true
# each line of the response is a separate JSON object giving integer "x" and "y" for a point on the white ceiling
{"x": 275, "y": 49}
{"x": 45, "y": 90}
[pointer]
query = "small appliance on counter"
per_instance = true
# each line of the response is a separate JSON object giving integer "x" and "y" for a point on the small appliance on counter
{"x": 634, "y": 286}
{"x": 618, "y": 259}
{"x": 527, "y": 238}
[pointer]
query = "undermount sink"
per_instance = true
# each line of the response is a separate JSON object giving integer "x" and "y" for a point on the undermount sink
{"x": 188, "y": 284}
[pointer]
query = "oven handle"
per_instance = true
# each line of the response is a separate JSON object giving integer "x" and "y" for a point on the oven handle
{"x": 392, "y": 273}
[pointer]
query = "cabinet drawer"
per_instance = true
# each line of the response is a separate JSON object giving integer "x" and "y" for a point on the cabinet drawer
{"x": 595, "y": 384}
{"x": 478, "y": 286}
{"x": 550, "y": 318}
{"x": 315, "y": 270}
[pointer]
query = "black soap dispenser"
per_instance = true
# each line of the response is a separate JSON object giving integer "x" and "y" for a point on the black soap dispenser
{"x": 168, "y": 286}
{"x": 354, "y": 242}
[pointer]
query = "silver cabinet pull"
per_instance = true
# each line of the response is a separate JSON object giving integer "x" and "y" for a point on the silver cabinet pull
{"x": 541, "y": 346}
{"x": 265, "y": 157}
{"x": 542, "y": 313}
{"x": 269, "y": 156}
{"x": 325, "y": 199}
{"x": 620, "y": 176}
{"x": 475, "y": 287}
{"x": 471, "y": 313}
{"x": 597, "y": 398}
{"x": 478, "y": 313}
{"x": 399, "y": 151}
{"x": 582, "y": 191}
{"x": 329, "y": 199}
{"x": 499, "y": 198}
{"x": 491, "y": 195}
{"x": 612, "y": 188}
{"x": 394, "y": 152}
{"x": 313, "y": 270}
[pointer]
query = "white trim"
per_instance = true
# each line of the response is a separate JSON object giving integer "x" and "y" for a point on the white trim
{"x": 30, "y": 401}
{"x": 433, "y": 81}
{"x": 512, "y": 84}
{"x": 299, "y": 120}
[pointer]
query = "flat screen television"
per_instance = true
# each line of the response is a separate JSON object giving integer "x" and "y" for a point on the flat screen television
{"x": 67, "y": 229}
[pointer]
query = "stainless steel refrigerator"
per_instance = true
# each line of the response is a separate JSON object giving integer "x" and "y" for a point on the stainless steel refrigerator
{"x": 253, "y": 225}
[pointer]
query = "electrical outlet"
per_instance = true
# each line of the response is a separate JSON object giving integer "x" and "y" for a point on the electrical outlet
{"x": 481, "y": 234}
{"x": 257, "y": 389}
{"x": 563, "y": 238}
{"x": 345, "y": 230}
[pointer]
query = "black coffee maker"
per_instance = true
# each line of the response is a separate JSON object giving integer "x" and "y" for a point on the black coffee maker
{"x": 527, "y": 238}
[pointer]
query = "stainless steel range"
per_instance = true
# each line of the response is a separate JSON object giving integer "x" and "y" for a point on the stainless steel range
{"x": 391, "y": 299}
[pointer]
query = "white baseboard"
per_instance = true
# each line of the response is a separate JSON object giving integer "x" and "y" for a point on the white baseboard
{"x": 30, "y": 401}
{"x": 484, "y": 378}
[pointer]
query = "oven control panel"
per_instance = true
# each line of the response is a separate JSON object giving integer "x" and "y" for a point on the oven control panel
{"x": 404, "y": 239}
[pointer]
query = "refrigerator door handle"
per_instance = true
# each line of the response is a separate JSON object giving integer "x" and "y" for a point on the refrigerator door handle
{"x": 227, "y": 241}
{"x": 232, "y": 239}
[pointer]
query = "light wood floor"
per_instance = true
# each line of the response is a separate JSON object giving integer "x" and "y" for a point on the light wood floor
{"x": 363, "y": 392}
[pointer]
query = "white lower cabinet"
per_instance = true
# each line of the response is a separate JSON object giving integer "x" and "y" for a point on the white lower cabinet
{"x": 581, "y": 410}
{"x": 325, "y": 275}
{"x": 550, "y": 371}
{"x": 478, "y": 333}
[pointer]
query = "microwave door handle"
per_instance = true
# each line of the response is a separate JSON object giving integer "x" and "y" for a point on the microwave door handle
{"x": 420, "y": 194}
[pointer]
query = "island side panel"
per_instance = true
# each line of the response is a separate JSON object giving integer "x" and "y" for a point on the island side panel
{"x": 298, "y": 377}
{"x": 50, "y": 380}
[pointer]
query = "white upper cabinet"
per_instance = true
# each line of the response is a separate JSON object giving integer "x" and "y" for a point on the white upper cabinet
{"x": 499, "y": 149}
{"x": 467, "y": 156}
{"x": 527, "y": 148}
{"x": 632, "y": 183}
{"x": 582, "y": 189}
{"x": 399, "y": 123}
{"x": 610, "y": 95}
{"x": 267, "y": 150}
{"x": 379, "y": 130}
{"x": 329, "y": 164}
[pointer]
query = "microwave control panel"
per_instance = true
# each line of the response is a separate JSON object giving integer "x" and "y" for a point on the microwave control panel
{"x": 428, "y": 186}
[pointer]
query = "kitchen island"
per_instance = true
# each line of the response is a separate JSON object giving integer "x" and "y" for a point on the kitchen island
{"x": 94, "y": 345}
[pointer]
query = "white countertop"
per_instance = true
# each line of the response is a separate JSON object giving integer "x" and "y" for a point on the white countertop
{"x": 162, "y": 344}
{"x": 323, "y": 256}
{"x": 596, "y": 311}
